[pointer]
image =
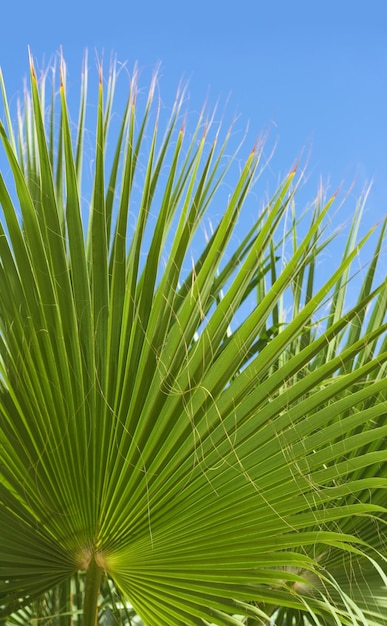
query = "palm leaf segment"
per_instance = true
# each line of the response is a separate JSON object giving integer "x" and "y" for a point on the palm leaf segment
{"x": 214, "y": 458}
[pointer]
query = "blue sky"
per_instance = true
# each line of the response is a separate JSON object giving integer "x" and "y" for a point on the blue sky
{"x": 313, "y": 74}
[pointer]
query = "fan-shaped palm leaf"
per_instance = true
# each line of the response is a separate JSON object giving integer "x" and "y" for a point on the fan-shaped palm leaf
{"x": 162, "y": 421}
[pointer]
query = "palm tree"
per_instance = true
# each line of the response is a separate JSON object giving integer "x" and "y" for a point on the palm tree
{"x": 197, "y": 422}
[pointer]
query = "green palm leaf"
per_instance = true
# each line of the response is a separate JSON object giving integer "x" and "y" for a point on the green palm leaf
{"x": 162, "y": 423}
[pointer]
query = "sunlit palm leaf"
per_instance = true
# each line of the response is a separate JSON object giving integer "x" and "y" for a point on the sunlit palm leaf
{"x": 214, "y": 458}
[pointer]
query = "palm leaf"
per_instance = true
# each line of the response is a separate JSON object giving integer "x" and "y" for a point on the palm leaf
{"x": 220, "y": 463}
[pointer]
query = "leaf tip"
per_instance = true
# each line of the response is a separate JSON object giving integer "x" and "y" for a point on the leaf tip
{"x": 336, "y": 193}
{"x": 62, "y": 70}
{"x": 294, "y": 168}
{"x": 32, "y": 66}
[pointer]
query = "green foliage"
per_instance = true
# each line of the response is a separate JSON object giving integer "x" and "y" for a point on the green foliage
{"x": 201, "y": 421}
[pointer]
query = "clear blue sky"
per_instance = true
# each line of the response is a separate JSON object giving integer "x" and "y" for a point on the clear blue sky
{"x": 313, "y": 73}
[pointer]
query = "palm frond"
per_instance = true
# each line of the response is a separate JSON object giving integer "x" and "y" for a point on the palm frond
{"x": 162, "y": 420}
